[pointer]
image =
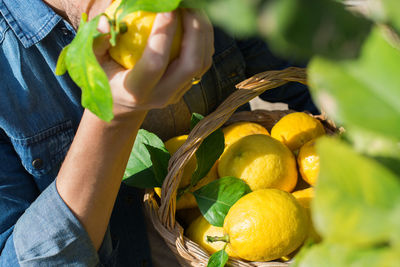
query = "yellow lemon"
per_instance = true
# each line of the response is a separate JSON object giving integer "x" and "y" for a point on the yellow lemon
{"x": 237, "y": 130}
{"x": 261, "y": 161}
{"x": 295, "y": 129}
{"x": 198, "y": 231}
{"x": 265, "y": 225}
{"x": 304, "y": 197}
{"x": 308, "y": 162}
{"x": 172, "y": 145}
{"x": 131, "y": 44}
{"x": 187, "y": 200}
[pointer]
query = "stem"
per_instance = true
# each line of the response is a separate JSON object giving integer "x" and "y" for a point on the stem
{"x": 212, "y": 239}
{"x": 183, "y": 190}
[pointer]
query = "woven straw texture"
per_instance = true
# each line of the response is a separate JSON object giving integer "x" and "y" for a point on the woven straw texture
{"x": 163, "y": 216}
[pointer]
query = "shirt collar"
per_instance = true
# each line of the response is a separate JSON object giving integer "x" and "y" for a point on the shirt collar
{"x": 31, "y": 20}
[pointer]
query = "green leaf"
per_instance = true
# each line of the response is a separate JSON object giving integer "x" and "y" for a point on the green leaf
{"x": 356, "y": 197}
{"x": 61, "y": 67}
{"x": 392, "y": 13}
{"x": 327, "y": 254}
{"x": 129, "y": 6}
{"x": 208, "y": 152}
{"x": 225, "y": 14}
{"x": 381, "y": 148}
{"x": 140, "y": 171}
{"x": 297, "y": 28}
{"x": 159, "y": 157}
{"x": 218, "y": 259}
{"x": 216, "y": 198}
{"x": 87, "y": 73}
{"x": 362, "y": 92}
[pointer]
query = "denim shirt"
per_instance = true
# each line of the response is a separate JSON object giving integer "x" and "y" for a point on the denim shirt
{"x": 39, "y": 115}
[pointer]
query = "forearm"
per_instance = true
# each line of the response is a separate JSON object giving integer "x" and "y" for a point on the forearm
{"x": 90, "y": 176}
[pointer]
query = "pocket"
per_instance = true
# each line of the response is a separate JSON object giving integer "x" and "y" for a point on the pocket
{"x": 43, "y": 153}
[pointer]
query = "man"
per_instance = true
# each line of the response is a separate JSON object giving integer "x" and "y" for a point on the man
{"x": 64, "y": 222}
{"x": 70, "y": 209}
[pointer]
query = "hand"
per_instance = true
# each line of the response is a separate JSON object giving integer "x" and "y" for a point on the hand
{"x": 153, "y": 83}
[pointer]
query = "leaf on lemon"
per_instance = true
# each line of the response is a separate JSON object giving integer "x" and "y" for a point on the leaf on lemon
{"x": 218, "y": 259}
{"x": 216, "y": 198}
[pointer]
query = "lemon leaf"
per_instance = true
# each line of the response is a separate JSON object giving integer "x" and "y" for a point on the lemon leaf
{"x": 216, "y": 198}
{"x": 148, "y": 161}
{"x": 218, "y": 259}
{"x": 356, "y": 193}
{"x": 208, "y": 152}
{"x": 129, "y": 6}
{"x": 372, "y": 81}
{"x": 86, "y": 72}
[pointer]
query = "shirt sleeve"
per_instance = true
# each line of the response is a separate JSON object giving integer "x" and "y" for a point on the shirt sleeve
{"x": 38, "y": 229}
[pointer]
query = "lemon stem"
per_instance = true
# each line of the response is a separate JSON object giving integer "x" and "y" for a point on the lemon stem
{"x": 212, "y": 239}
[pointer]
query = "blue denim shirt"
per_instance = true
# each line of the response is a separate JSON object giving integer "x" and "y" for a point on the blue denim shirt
{"x": 39, "y": 115}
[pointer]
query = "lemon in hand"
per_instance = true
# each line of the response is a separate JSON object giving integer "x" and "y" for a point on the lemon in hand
{"x": 131, "y": 44}
{"x": 265, "y": 225}
{"x": 261, "y": 161}
{"x": 237, "y": 130}
{"x": 295, "y": 129}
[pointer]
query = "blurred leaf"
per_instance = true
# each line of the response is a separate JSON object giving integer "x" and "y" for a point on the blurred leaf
{"x": 362, "y": 92}
{"x": 216, "y": 198}
{"x": 327, "y": 254}
{"x": 355, "y": 197}
{"x": 208, "y": 152}
{"x": 392, "y": 13}
{"x": 383, "y": 149}
{"x": 218, "y": 259}
{"x": 140, "y": 171}
{"x": 305, "y": 28}
{"x": 238, "y": 17}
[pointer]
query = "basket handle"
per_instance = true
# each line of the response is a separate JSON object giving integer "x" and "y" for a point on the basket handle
{"x": 246, "y": 90}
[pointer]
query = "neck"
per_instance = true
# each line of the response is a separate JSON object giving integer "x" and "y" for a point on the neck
{"x": 71, "y": 10}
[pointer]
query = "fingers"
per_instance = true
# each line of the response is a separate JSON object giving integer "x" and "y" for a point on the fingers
{"x": 196, "y": 52}
{"x": 154, "y": 61}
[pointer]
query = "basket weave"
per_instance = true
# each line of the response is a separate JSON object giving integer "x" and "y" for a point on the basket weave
{"x": 163, "y": 216}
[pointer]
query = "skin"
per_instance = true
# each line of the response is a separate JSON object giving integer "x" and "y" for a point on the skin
{"x": 91, "y": 174}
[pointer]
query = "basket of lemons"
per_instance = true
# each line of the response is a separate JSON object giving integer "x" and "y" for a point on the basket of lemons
{"x": 251, "y": 207}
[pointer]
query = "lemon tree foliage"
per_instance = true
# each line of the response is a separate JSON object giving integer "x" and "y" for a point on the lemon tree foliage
{"x": 353, "y": 77}
{"x": 218, "y": 259}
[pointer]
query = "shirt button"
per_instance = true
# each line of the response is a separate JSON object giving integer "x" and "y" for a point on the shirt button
{"x": 65, "y": 31}
{"x": 37, "y": 164}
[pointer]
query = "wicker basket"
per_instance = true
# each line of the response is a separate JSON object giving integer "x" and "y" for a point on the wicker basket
{"x": 163, "y": 216}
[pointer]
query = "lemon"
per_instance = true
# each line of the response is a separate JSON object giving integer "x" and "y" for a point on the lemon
{"x": 172, "y": 145}
{"x": 304, "y": 197}
{"x": 187, "y": 200}
{"x": 131, "y": 44}
{"x": 261, "y": 161}
{"x": 198, "y": 231}
{"x": 308, "y": 162}
{"x": 186, "y": 216}
{"x": 265, "y": 225}
{"x": 295, "y": 129}
{"x": 237, "y": 130}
